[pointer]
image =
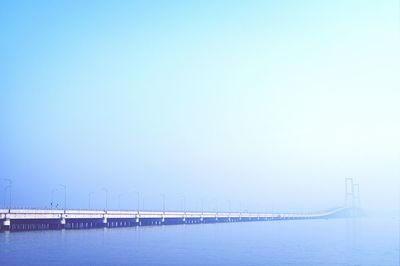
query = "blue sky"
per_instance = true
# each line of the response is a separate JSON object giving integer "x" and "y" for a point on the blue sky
{"x": 268, "y": 104}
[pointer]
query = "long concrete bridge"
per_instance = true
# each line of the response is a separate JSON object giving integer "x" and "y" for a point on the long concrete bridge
{"x": 33, "y": 219}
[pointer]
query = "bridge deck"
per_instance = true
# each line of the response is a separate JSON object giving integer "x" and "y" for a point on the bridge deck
{"x": 34, "y": 219}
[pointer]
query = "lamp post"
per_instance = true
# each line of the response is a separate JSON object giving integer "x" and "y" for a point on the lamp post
{"x": 65, "y": 196}
{"x": 90, "y": 197}
{"x": 10, "y": 188}
{"x": 138, "y": 200}
{"x": 106, "y": 191}
{"x": 216, "y": 205}
{"x": 52, "y": 197}
{"x": 119, "y": 201}
{"x": 183, "y": 203}
{"x": 163, "y": 198}
{"x": 5, "y": 197}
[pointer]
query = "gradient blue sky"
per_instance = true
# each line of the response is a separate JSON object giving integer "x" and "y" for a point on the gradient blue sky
{"x": 268, "y": 104}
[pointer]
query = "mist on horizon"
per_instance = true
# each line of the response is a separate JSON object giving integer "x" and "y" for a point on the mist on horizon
{"x": 259, "y": 107}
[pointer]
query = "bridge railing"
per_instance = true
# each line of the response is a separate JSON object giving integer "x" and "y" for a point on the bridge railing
{"x": 168, "y": 214}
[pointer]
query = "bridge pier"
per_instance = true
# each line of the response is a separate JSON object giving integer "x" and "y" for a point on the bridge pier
{"x": 104, "y": 222}
{"x": 6, "y": 225}
{"x": 63, "y": 222}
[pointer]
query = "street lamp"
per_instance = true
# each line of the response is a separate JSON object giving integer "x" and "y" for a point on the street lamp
{"x": 90, "y": 197}
{"x": 216, "y": 205}
{"x": 65, "y": 196}
{"x": 163, "y": 198}
{"x": 52, "y": 197}
{"x": 106, "y": 191}
{"x": 183, "y": 203}
{"x": 138, "y": 200}
{"x": 5, "y": 197}
{"x": 119, "y": 200}
{"x": 10, "y": 187}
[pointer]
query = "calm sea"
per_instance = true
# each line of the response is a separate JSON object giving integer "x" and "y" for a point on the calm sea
{"x": 363, "y": 241}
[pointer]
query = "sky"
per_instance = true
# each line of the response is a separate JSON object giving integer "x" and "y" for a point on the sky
{"x": 241, "y": 105}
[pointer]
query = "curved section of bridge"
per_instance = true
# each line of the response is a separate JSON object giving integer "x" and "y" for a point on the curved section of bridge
{"x": 29, "y": 219}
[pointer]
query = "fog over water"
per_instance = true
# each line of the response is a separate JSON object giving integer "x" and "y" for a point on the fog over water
{"x": 211, "y": 105}
{"x": 367, "y": 242}
{"x": 259, "y": 105}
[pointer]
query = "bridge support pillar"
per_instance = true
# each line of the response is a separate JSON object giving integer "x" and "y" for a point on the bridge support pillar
{"x": 63, "y": 222}
{"x": 104, "y": 221}
{"x": 6, "y": 224}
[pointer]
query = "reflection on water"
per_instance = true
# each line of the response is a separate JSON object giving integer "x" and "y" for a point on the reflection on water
{"x": 360, "y": 241}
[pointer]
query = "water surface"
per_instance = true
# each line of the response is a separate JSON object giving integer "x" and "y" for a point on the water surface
{"x": 365, "y": 241}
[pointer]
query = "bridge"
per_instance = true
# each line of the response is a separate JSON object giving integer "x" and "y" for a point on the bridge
{"x": 46, "y": 219}
{"x": 31, "y": 219}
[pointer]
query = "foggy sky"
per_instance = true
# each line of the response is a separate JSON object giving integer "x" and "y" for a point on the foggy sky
{"x": 268, "y": 105}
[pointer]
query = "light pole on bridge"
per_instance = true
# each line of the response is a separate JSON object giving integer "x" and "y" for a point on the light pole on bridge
{"x": 216, "y": 205}
{"x": 65, "y": 196}
{"x": 163, "y": 199}
{"x": 5, "y": 197}
{"x": 10, "y": 188}
{"x": 138, "y": 200}
{"x": 90, "y": 198}
{"x": 119, "y": 200}
{"x": 183, "y": 203}
{"x": 106, "y": 193}
{"x": 52, "y": 197}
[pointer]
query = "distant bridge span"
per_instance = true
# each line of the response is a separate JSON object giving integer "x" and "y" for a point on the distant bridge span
{"x": 33, "y": 219}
